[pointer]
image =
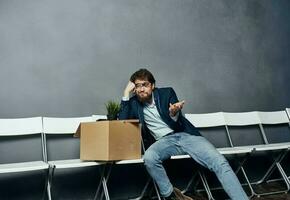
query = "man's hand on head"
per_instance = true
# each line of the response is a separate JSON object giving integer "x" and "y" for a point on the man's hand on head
{"x": 130, "y": 88}
{"x": 175, "y": 108}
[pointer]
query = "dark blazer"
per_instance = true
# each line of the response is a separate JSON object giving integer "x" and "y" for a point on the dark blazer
{"x": 133, "y": 109}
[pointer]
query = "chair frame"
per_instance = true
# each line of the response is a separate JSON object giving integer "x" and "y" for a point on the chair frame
{"x": 210, "y": 120}
{"x": 132, "y": 162}
{"x": 20, "y": 127}
{"x": 108, "y": 168}
{"x": 64, "y": 126}
{"x": 205, "y": 120}
{"x": 254, "y": 118}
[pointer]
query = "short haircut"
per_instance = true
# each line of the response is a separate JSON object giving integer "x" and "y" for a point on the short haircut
{"x": 143, "y": 74}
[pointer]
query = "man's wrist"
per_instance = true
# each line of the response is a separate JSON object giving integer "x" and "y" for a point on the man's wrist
{"x": 175, "y": 117}
{"x": 126, "y": 94}
{"x": 172, "y": 114}
{"x": 125, "y": 98}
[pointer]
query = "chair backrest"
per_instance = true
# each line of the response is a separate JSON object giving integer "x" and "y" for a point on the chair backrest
{"x": 275, "y": 126}
{"x": 211, "y": 126}
{"x": 206, "y": 119}
{"x": 241, "y": 118}
{"x": 56, "y": 125}
{"x": 20, "y": 126}
{"x": 60, "y": 143}
{"x": 275, "y": 117}
{"x": 21, "y": 140}
{"x": 244, "y": 128}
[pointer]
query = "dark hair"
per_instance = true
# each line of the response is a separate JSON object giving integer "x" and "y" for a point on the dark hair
{"x": 143, "y": 74}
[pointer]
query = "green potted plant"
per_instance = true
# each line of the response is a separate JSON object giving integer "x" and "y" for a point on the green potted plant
{"x": 113, "y": 109}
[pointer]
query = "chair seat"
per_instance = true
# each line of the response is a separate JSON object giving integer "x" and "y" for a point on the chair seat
{"x": 23, "y": 166}
{"x": 179, "y": 157}
{"x": 235, "y": 150}
{"x": 133, "y": 161}
{"x": 72, "y": 163}
{"x": 272, "y": 147}
{"x": 224, "y": 151}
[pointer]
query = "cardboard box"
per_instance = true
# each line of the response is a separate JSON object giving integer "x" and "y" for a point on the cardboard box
{"x": 110, "y": 140}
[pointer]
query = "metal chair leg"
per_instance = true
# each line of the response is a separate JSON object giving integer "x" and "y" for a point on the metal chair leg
{"x": 205, "y": 185}
{"x": 46, "y": 190}
{"x": 49, "y": 181}
{"x": 269, "y": 172}
{"x": 102, "y": 183}
{"x": 156, "y": 190}
{"x": 143, "y": 191}
{"x": 104, "y": 179}
{"x": 189, "y": 183}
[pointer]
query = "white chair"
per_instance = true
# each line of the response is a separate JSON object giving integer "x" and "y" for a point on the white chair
{"x": 275, "y": 129}
{"x": 254, "y": 137}
{"x": 207, "y": 121}
{"x": 134, "y": 162}
{"x": 62, "y": 149}
{"x": 109, "y": 165}
{"x": 22, "y": 149}
{"x": 272, "y": 119}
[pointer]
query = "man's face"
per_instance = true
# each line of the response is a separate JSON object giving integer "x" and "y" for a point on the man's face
{"x": 143, "y": 90}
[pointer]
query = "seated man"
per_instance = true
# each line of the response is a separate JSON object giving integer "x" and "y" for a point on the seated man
{"x": 159, "y": 111}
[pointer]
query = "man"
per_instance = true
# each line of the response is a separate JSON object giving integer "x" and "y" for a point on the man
{"x": 159, "y": 112}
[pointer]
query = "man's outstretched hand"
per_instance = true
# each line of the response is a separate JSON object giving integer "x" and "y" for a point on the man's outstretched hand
{"x": 175, "y": 108}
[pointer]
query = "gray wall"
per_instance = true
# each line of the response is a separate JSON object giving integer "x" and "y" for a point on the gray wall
{"x": 68, "y": 57}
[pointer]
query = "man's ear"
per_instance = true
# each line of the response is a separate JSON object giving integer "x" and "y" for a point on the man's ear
{"x": 153, "y": 86}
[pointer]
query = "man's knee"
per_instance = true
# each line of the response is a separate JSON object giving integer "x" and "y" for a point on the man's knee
{"x": 220, "y": 164}
{"x": 151, "y": 158}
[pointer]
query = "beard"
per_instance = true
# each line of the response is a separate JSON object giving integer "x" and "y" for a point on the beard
{"x": 145, "y": 99}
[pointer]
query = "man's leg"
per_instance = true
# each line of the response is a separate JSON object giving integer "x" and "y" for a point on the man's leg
{"x": 153, "y": 157}
{"x": 206, "y": 154}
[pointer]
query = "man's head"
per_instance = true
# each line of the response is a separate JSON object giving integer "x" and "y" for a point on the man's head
{"x": 144, "y": 84}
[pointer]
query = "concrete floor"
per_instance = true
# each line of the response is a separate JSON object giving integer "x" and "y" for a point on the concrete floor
{"x": 262, "y": 188}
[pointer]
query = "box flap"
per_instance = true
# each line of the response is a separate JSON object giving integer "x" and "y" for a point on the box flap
{"x": 78, "y": 132}
{"x": 130, "y": 121}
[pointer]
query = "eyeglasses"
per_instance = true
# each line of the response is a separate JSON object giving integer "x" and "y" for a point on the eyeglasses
{"x": 140, "y": 85}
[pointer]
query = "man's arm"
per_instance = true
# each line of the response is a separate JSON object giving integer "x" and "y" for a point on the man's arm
{"x": 126, "y": 107}
{"x": 175, "y": 106}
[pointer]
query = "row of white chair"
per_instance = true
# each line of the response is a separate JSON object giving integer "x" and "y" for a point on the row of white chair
{"x": 262, "y": 142}
{"x": 51, "y": 157}
{"x": 257, "y": 142}
{"x": 47, "y": 128}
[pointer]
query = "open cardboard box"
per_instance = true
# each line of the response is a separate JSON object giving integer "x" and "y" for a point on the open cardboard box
{"x": 110, "y": 140}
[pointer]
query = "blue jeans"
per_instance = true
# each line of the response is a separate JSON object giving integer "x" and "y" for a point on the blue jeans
{"x": 201, "y": 151}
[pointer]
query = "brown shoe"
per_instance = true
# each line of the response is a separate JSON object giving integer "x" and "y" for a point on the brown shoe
{"x": 179, "y": 195}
